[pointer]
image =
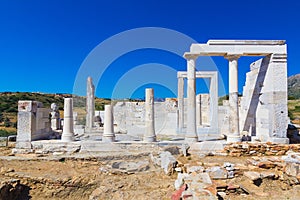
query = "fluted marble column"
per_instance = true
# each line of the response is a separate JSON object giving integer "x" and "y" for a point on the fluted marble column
{"x": 191, "y": 129}
{"x": 149, "y": 135}
{"x": 68, "y": 130}
{"x": 180, "y": 99}
{"x": 234, "y": 130}
{"x": 108, "y": 132}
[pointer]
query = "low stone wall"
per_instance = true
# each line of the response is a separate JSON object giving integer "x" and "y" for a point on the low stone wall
{"x": 259, "y": 149}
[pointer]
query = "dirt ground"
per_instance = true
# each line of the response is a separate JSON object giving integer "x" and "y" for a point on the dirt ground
{"x": 44, "y": 178}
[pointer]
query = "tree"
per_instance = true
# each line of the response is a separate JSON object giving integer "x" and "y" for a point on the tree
{"x": 1, "y": 117}
{"x": 7, "y": 122}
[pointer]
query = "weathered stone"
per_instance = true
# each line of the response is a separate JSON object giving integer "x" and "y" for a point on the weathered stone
{"x": 90, "y": 104}
{"x": 131, "y": 167}
{"x": 217, "y": 172}
{"x": 177, "y": 195}
{"x": 167, "y": 161}
{"x": 292, "y": 169}
{"x": 252, "y": 175}
{"x": 266, "y": 165}
{"x": 197, "y": 169}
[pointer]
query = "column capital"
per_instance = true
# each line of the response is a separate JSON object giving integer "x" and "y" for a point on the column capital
{"x": 189, "y": 56}
{"x": 231, "y": 57}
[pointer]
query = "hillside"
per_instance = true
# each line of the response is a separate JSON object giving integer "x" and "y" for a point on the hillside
{"x": 294, "y": 86}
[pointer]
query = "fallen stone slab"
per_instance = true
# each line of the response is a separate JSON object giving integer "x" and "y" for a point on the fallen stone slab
{"x": 217, "y": 172}
{"x": 252, "y": 175}
{"x": 130, "y": 167}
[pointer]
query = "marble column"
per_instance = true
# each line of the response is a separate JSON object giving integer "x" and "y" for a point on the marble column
{"x": 191, "y": 129}
{"x": 149, "y": 135}
{"x": 108, "y": 133}
{"x": 213, "y": 91}
{"x": 198, "y": 110}
{"x": 234, "y": 130}
{"x": 68, "y": 131}
{"x": 90, "y": 104}
{"x": 180, "y": 99}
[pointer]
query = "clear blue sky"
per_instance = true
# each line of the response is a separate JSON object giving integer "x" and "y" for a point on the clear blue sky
{"x": 43, "y": 43}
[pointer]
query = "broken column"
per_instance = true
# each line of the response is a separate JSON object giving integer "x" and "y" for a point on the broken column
{"x": 234, "y": 131}
{"x": 90, "y": 104}
{"x": 108, "y": 134}
{"x": 68, "y": 131}
{"x": 191, "y": 129}
{"x": 180, "y": 100}
{"x": 149, "y": 135}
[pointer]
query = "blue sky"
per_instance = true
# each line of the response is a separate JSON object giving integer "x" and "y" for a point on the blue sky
{"x": 44, "y": 43}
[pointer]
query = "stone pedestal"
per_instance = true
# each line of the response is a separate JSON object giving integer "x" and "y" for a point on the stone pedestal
{"x": 149, "y": 135}
{"x": 68, "y": 131}
{"x": 108, "y": 134}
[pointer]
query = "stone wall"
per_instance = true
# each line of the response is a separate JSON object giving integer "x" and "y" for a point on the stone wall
{"x": 259, "y": 149}
{"x": 129, "y": 117}
{"x": 263, "y": 107}
{"x": 33, "y": 123}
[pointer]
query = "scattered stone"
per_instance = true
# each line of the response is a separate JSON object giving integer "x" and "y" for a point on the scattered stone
{"x": 184, "y": 149}
{"x": 131, "y": 167}
{"x": 177, "y": 195}
{"x": 197, "y": 169}
{"x": 168, "y": 162}
{"x": 217, "y": 172}
{"x": 252, "y": 175}
{"x": 173, "y": 150}
{"x": 292, "y": 169}
{"x": 266, "y": 165}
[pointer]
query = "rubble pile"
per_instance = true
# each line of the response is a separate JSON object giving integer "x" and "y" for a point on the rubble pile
{"x": 259, "y": 149}
{"x": 203, "y": 180}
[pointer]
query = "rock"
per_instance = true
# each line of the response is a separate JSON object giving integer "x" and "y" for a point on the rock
{"x": 180, "y": 180}
{"x": 205, "y": 178}
{"x": 292, "y": 169}
{"x": 177, "y": 194}
{"x": 168, "y": 162}
{"x": 178, "y": 169}
{"x": 131, "y": 167}
{"x": 155, "y": 160}
{"x": 197, "y": 169}
{"x": 217, "y": 172}
{"x": 221, "y": 194}
{"x": 184, "y": 149}
{"x": 172, "y": 149}
{"x": 266, "y": 164}
{"x": 268, "y": 175}
{"x": 252, "y": 175}
{"x": 230, "y": 174}
{"x": 97, "y": 193}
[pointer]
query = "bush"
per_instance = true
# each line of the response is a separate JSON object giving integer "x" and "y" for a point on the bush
{"x": 5, "y": 133}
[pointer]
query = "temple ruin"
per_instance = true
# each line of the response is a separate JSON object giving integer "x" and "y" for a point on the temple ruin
{"x": 260, "y": 113}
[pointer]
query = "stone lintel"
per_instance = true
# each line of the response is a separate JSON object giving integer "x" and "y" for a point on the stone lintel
{"x": 246, "y": 42}
{"x": 199, "y": 74}
{"x": 243, "y": 50}
{"x": 188, "y": 55}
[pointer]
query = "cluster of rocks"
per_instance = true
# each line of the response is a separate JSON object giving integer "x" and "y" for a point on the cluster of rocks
{"x": 214, "y": 181}
{"x": 205, "y": 182}
{"x": 259, "y": 149}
